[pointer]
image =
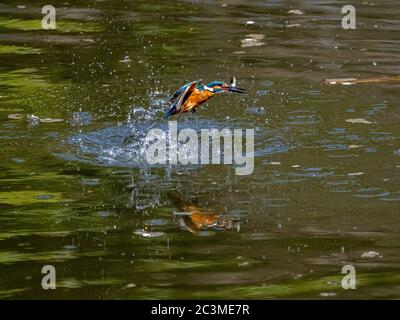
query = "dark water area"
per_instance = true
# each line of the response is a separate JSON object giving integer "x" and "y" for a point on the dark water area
{"x": 325, "y": 191}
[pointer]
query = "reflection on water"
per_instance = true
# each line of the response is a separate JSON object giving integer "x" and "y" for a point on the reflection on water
{"x": 76, "y": 103}
{"x": 200, "y": 221}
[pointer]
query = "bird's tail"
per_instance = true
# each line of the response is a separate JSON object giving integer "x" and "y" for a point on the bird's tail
{"x": 171, "y": 111}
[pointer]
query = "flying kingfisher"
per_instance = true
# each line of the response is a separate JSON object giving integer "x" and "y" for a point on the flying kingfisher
{"x": 194, "y": 94}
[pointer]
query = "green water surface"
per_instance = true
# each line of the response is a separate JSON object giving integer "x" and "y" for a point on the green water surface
{"x": 325, "y": 191}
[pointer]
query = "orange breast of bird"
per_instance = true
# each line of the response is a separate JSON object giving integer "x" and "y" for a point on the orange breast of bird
{"x": 197, "y": 98}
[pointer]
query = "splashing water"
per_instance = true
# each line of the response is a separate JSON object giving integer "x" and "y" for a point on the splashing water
{"x": 120, "y": 145}
{"x": 125, "y": 144}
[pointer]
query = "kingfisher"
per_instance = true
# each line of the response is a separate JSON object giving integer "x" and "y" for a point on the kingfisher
{"x": 193, "y": 94}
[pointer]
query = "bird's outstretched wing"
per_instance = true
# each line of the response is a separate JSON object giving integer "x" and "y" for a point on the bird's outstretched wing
{"x": 175, "y": 97}
{"x": 179, "y": 98}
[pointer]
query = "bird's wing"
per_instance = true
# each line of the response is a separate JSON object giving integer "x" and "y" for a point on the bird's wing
{"x": 179, "y": 98}
{"x": 184, "y": 95}
{"x": 175, "y": 97}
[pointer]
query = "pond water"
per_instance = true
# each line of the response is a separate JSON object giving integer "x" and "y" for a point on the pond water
{"x": 325, "y": 191}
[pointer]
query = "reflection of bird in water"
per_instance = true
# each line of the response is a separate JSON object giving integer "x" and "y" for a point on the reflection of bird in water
{"x": 194, "y": 94}
{"x": 195, "y": 219}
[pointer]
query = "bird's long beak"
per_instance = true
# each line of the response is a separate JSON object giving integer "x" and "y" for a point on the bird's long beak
{"x": 236, "y": 90}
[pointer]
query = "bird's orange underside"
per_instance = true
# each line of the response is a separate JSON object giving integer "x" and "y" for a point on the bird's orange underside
{"x": 196, "y": 99}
